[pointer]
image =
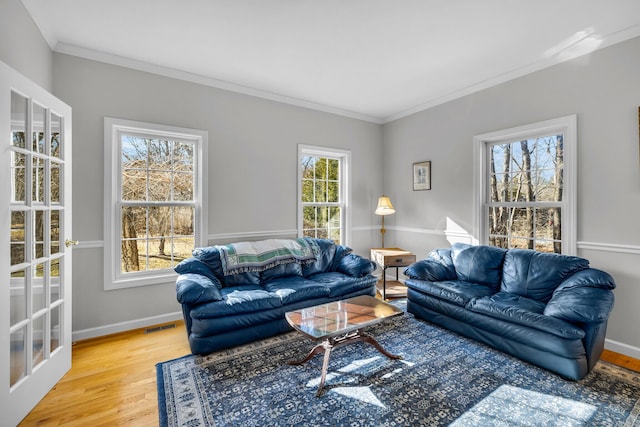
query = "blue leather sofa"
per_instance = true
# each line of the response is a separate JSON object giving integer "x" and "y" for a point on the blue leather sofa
{"x": 548, "y": 309}
{"x": 222, "y": 311}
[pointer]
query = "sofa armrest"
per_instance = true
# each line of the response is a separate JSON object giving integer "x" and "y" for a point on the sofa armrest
{"x": 438, "y": 266}
{"x": 192, "y": 288}
{"x": 585, "y": 297}
{"x": 355, "y": 265}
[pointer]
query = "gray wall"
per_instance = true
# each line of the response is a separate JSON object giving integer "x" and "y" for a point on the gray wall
{"x": 603, "y": 89}
{"x": 22, "y": 47}
{"x": 252, "y": 169}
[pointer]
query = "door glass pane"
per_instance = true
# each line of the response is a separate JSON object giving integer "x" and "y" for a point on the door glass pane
{"x": 38, "y": 228}
{"x": 38, "y": 341}
{"x": 55, "y": 331}
{"x": 56, "y": 129}
{"x": 37, "y": 288}
{"x": 18, "y": 362}
{"x": 18, "y": 120}
{"x": 18, "y": 177}
{"x": 55, "y": 232}
{"x": 38, "y": 128}
{"x": 18, "y": 293}
{"x": 17, "y": 237}
{"x": 38, "y": 180}
{"x": 55, "y": 183}
{"x": 55, "y": 286}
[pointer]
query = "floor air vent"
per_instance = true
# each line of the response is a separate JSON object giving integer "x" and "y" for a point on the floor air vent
{"x": 159, "y": 328}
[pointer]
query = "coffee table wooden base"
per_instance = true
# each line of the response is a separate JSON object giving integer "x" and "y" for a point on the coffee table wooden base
{"x": 330, "y": 343}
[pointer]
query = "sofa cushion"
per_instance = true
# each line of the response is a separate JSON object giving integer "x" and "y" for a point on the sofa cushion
{"x": 295, "y": 288}
{"x": 341, "y": 252}
{"x": 524, "y": 311}
{"x": 479, "y": 264}
{"x": 324, "y": 259}
{"x": 535, "y": 274}
{"x": 339, "y": 284}
{"x": 240, "y": 299}
{"x": 282, "y": 270}
{"x": 192, "y": 288}
{"x": 356, "y": 266}
{"x": 456, "y": 292}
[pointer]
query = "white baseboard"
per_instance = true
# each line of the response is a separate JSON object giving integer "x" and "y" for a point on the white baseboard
{"x": 124, "y": 326}
{"x": 622, "y": 348}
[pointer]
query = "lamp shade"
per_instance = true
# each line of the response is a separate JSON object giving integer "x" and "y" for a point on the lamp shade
{"x": 384, "y": 206}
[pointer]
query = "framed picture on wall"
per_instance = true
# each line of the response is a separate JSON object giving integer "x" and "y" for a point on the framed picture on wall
{"x": 422, "y": 176}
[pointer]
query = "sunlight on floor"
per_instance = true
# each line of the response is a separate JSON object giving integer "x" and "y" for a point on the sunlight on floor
{"x": 364, "y": 394}
{"x": 510, "y": 405}
{"x": 349, "y": 374}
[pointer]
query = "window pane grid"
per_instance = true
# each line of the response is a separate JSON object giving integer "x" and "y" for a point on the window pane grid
{"x": 524, "y": 198}
{"x": 322, "y": 207}
{"x": 157, "y": 206}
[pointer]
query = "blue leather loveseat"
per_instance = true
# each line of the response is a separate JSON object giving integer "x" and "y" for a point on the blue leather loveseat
{"x": 548, "y": 309}
{"x": 224, "y": 308}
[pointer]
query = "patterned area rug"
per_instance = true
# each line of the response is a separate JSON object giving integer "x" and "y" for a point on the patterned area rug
{"x": 443, "y": 379}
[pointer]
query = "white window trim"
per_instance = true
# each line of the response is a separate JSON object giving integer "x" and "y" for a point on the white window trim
{"x": 112, "y": 180}
{"x": 568, "y": 127}
{"x": 345, "y": 192}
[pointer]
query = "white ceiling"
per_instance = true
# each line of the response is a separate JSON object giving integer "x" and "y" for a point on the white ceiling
{"x": 375, "y": 60}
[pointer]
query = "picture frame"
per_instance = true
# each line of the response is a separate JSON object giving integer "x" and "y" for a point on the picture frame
{"x": 422, "y": 176}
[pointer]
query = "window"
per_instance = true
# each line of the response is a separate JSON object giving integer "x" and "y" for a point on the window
{"x": 525, "y": 190}
{"x": 154, "y": 200}
{"x": 322, "y": 193}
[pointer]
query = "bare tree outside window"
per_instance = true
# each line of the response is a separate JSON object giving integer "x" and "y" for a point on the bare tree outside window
{"x": 157, "y": 215}
{"x": 525, "y": 194}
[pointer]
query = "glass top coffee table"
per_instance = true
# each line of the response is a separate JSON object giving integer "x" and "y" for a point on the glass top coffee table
{"x": 338, "y": 323}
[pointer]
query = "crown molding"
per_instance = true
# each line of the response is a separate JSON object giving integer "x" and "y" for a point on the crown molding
{"x": 173, "y": 73}
{"x": 554, "y": 57}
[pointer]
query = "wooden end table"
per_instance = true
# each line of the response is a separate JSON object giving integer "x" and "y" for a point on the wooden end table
{"x": 391, "y": 257}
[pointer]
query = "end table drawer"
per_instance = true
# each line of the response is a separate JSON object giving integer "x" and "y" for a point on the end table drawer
{"x": 399, "y": 260}
{"x": 392, "y": 257}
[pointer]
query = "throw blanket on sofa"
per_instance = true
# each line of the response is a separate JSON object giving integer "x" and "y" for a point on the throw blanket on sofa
{"x": 259, "y": 256}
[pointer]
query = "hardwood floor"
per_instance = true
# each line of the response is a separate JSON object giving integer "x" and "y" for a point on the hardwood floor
{"x": 112, "y": 381}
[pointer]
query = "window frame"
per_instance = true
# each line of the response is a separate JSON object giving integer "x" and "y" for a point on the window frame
{"x": 344, "y": 156}
{"x": 567, "y": 126}
{"x": 113, "y": 128}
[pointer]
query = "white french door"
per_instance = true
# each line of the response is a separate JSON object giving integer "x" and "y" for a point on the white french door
{"x": 35, "y": 263}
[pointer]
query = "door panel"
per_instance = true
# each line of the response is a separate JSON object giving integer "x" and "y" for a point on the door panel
{"x": 35, "y": 265}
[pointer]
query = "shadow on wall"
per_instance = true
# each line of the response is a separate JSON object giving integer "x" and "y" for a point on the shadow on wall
{"x": 455, "y": 233}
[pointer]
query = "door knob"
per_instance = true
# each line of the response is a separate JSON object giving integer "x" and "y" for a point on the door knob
{"x": 69, "y": 242}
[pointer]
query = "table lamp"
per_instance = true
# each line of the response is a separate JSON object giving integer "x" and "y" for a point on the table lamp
{"x": 384, "y": 208}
